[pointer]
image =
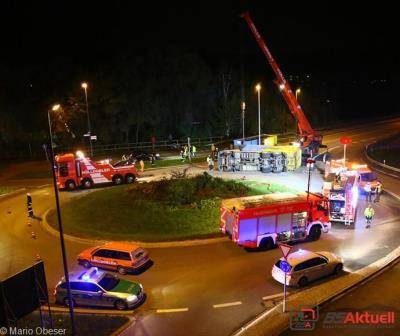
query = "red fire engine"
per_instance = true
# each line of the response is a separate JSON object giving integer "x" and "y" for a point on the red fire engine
{"x": 80, "y": 171}
{"x": 263, "y": 221}
{"x": 343, "y": 197}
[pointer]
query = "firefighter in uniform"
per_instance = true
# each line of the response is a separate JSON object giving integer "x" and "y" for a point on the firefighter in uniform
{"x": 367, "y": 190}
{"x": 369, "y": 214}
{"x": 210, "y": 163}
{"x": 378, "y": 191}
{"x": 29, "y": 204}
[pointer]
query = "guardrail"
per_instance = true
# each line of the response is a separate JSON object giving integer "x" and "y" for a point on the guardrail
{"x": 377, "y": 163}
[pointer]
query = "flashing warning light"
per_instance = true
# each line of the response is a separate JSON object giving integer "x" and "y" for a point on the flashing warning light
{"x": 357, "y": 166}
{"x": 300, "y": 251}
{"x": 345, "y": 140}
{"x": 80, "y": 154}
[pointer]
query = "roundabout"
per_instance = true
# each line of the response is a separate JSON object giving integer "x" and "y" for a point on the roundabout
{"x": 210, "y": 289}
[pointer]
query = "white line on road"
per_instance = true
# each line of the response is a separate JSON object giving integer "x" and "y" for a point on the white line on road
{"x": 229, "y": 304}
{"x": 175, "y": 310}
{"x": 274, "y": 296}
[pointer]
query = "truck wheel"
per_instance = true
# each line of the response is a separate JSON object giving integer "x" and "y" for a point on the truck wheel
{"x": 303, "y": 281}
{"x": 315, "y": 232}
{"x": 70, "y": 185}
{"x": 129, "y": 178}
{"x": 120, "y": 305}
{"x": 87, "y": 183}
{"x": 267, "y": 244}
{"x": 118, "y": 180}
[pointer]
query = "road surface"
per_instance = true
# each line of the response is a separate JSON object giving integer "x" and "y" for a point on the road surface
{"x": 210, "y": 289}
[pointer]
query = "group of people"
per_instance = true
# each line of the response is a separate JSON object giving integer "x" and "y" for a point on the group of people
{"x": 372, "y": 193}
{"x": 186, "y": 152}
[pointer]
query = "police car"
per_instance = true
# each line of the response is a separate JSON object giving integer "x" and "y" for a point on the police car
{"x": 98, "y": 288}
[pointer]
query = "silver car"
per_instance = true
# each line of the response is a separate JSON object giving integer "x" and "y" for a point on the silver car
{"x": 305, "y": 266}
{"x": 98, "y": 288}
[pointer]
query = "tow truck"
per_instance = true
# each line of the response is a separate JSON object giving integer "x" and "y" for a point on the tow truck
{"x": 73, "y": 171}
{"x": 264, "y": 220}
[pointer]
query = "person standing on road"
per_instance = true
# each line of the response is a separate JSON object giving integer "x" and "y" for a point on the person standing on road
{"x": 212, "y": 150}
{"x": 369, "y": 214}
{"x": 367, "y": 190}
{"x": 194, "y": 150}
{"x": 141, "y": 162}
{"x": 378, "y": 191}
{"x": 210, "y": 163}
{"x": 29, "y": 204}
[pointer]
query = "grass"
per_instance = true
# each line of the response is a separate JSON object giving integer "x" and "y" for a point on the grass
{"x": 35, "y": 174}
{"x": 173, "y": 162}
{"x": 99, "y": 325}
{"x": 155, "y": 211}
{"x": 6, "y": 189}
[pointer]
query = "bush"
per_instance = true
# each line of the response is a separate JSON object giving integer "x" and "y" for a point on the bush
{"x": 182, "y": 190}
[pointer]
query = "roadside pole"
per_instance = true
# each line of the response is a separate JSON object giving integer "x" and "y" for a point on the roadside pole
{"x": 285, "y": 267}
{"x": 189, "y": 150}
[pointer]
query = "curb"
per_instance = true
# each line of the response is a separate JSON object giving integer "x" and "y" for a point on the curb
{"x": 184, "y": 243}
{"x": 12, "y": 193}
{"x": 273, "y": 322}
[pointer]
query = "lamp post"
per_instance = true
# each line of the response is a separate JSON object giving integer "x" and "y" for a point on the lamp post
{"x": 243, "y": 112}
{"x": 258, "y": 89}
{"x": 298, "y": 91}
{"x": 310, "y": 163}
{"x": 84, "y": 86}
{"x": 55, "y": 108}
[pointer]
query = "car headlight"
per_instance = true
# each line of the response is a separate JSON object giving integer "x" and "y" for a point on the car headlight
{"x": 131, "y": 298}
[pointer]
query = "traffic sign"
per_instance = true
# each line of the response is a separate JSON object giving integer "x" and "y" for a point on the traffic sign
{"x": 285, "y": 266}
{"x": 285, "y": 249}
{"x": 93, "y": 137}
{"x": 345, "y": 140}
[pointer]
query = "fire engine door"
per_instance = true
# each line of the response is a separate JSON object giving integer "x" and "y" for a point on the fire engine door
{"x": 299, "y": 225}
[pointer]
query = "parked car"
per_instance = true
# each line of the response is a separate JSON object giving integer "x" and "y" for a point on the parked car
{"x": 122, "y": 257}
{"x": 98, "y": 288}
{"x": 306, "y": 266}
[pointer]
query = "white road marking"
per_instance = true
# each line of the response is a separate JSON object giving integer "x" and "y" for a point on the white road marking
{"x": 274, "y": 296}
{"x": 175, "y": 310}
{"x": 229, "y": 304}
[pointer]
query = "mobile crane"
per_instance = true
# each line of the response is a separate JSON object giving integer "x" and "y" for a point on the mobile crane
{"x": 310, "y": 140}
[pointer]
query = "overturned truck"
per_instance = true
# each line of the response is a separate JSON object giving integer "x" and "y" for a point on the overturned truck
{"x": 267, "y": 159}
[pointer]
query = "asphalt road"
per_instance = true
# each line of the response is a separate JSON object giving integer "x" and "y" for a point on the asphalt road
{"x": 209, "y": 289}
{"x": 377, "y": 295}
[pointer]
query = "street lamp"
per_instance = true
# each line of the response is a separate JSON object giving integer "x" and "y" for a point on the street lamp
{"x": 84, "y": 86}
{"x": 258, "y": 89}
{"x": 55, "y": 108}
{"x": 298, "y": 91}
{"x": 243, "y": 105}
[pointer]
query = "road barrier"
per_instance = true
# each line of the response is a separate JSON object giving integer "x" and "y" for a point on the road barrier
{"x": 382, "y": 167}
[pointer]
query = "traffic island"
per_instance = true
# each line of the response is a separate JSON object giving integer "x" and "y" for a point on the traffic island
{"x": 177, "y": 209}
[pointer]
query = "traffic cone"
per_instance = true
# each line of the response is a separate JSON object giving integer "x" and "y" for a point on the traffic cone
{"x": 33, "y": 235}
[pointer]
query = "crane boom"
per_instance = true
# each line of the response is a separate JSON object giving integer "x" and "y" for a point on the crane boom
{"x": 305, "y": 129}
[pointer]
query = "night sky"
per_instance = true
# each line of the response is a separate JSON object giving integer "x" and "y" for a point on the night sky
{"x": 328, "y": 36}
